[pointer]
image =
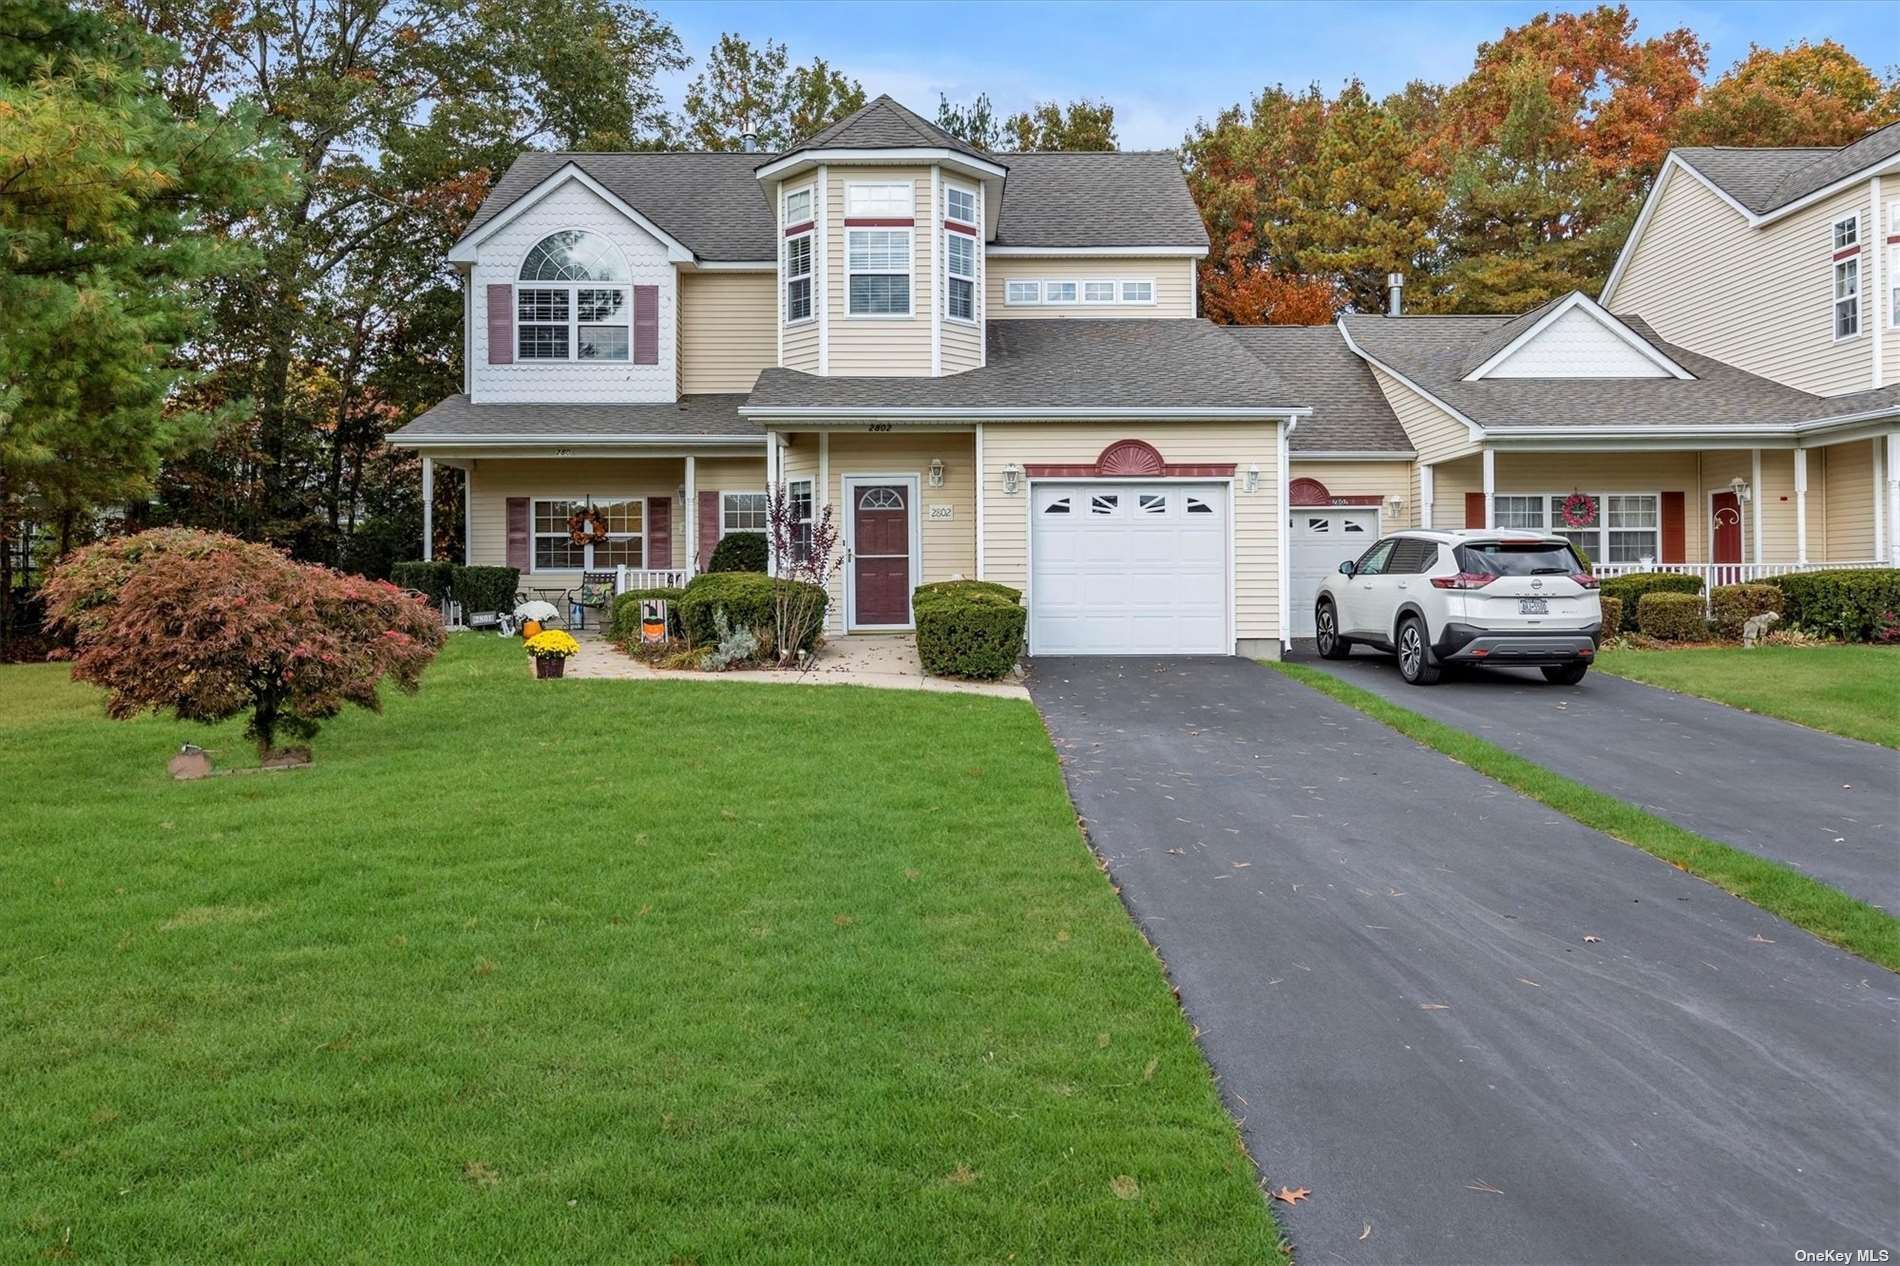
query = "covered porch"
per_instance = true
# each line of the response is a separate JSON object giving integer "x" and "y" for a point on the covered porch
{"x": 1725, "y": 512}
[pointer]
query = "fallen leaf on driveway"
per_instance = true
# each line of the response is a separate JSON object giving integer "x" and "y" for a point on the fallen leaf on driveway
{"x": 1367, "y": 1233}
{"x": 1591, "y": 940}
{"x": 1292, "y": 1195}
{"x": 1484, "y": 1186}
{"x": 1759, "y": 939}
{"x": 1434, "y": 1006}
{"x": 1525, "y": 980}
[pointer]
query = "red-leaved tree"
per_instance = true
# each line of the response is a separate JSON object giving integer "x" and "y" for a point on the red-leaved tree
{"x": 209, "y": 627}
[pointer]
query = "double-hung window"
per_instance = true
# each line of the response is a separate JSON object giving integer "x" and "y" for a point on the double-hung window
{"x": 571, "y": 302}
{"x": 959, "y": 298}
{"x": 1847, "y": 276}
{"x": 742, "y": 512}
{"x": 554, "y": 547}
{"x": 798, "y": 494}
{"x": 799, "y": 244}
{"x": 877, "y": 271}
{"x": 1893, "y": 264}
{"x": 1610, "y": 528}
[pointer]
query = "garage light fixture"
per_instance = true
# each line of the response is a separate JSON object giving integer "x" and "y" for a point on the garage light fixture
{"x": 936, "y": 472}
{"x": 1012, "y": 479}
{"x": 1253, "y": 479}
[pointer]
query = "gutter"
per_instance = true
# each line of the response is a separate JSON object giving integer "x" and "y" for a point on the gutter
{"x": 466, "y": 440}
{"x": 955, "y": 413}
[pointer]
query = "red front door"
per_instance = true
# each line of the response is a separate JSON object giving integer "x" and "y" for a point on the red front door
{"x": 880, "y": 554}
{"x": 1726, "y": 525}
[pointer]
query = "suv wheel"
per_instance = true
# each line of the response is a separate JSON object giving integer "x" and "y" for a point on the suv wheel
{"x": 1565, "y": 674}
{"x": 1326, "y": 627}
{"x": 1415, "y": 657}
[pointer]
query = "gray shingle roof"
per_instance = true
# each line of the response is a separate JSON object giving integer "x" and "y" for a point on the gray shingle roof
{"x": 1433, "y": 350}
{"x": 1765, "y": 179}
{"x": 711, "y": 202}
{"x": 1068, "y": 364}
{"x": 881, "y": 124}
{"x": 1350, "y": 413}
{"x": 456, "y": 418}
{"x": 1098, "y": 199}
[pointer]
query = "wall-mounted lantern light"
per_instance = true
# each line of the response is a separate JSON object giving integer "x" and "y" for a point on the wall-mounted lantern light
{"x": 1253, "y": 480}
{"x": 936, "y": 472}
{"x": 1012, "y": 479}
{"x": 1740, "y": 488}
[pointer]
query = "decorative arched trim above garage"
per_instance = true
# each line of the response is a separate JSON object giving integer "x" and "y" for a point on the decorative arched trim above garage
{"x": 1307, "y": 491}
{"x": 1132, "y": 459}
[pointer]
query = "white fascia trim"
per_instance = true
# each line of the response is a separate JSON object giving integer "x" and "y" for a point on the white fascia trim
{"x": 732, "y": 266}
{"x": 1077, "y": 252}
{"x": 954, "y": 413}
{"x": 1355, "y": 455}
{"x": 571, "y": 441}
{"x": 464, "y": 250}
{"x": 1827, "y": 191}
{"x": 882, "y": 158}
{"x": 1476, "y": 431}
{"x": 1577, "y": 299}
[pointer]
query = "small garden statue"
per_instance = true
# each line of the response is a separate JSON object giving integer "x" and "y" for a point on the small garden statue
{"x": 1756, "y": 627}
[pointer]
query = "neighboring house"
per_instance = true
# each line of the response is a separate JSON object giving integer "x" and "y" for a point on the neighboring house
{"x": 991, "y": 365}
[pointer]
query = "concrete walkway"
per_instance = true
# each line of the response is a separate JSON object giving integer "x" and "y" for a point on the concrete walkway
{"x": 1478, "y": 1031}
{"x": 1825, "y": 805}
{"x": 888, "y": 662}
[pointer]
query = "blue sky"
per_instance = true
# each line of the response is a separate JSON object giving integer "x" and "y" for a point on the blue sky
{"x": 1164, "y": 65}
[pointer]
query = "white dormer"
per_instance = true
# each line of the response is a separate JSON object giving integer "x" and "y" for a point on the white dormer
{"x": 1573, "y": 337}
{"x": 573, "y": 298}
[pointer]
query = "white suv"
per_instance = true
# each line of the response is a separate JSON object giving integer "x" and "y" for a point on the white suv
{"x": 1490, "y": 597}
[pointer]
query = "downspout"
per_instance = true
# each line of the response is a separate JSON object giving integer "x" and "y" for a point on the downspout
{"x": 1282, "y": 551}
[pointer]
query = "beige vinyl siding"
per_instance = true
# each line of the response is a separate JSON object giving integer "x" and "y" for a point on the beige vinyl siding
{"x": 876, "y": 346}
{"x": 1849, "y": 476}
{"x": 1436, "y": 435}
{"x": 1759, "y": 298}
{"x": 1256, "y": 516}
{"x": 727, "y": 332}
{"x": 493, "y": 480}
{"x": 1367, "y": 479}
{"x": 730, "y": 474}
{"x": 1173, "y": 279}
{"x": 1450, "y": 482}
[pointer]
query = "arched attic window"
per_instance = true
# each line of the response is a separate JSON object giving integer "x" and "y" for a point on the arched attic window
{"x": 571, "y": 302}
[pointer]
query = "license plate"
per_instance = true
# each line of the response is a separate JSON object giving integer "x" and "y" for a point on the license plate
{"x": 1533, "y": 606}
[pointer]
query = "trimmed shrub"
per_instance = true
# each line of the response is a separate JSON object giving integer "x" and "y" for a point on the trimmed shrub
{"x": 485, "y": 588}
{"x": 1853, "y": 603}
{"x": 958, "y": 588}
{"x": 739, "y": 551}
{"x": 1672, "y": 617}
{"x": 969, "y": 631}
{"x": 1612, "y": 616}
{"x": 432, "y": 578}
{"x": 749, "y": 599}
{"x": 626, "y": 616}
{"x": 1731, "y": 606}
{"x": 1629, "y": 590}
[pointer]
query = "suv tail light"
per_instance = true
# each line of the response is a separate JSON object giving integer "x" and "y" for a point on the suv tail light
{"x": 1585, "y": 580}
{"x": 1463, "y": 580}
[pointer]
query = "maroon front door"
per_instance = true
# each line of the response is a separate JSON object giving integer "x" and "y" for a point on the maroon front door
{"x": 1725, "y": 510}
{"x": 880, "y": 554}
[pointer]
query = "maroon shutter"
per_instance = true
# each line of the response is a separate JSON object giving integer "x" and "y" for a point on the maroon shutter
{"x": 518, "y": 552}
{"x": 1474, "y": 509}
{"x": 1674, "y": 525}
{"x": 646, "y": 325}
{"x": 501, "y": 325}
{"x": 708, "y": 525}
{"x": 659, "y": 542}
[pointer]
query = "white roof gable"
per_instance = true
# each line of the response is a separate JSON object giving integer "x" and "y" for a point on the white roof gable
{"x": 1578, "y": 339}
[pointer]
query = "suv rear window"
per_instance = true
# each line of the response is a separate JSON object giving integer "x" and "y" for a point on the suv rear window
{"x": 1520, "y": 558}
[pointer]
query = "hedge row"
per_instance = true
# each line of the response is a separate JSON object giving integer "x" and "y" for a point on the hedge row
{"x": 969, "y": 628}
{"x": 1732, "y": 606}
{"x": 740, "y": 551}
{"x": 1857, "y": 604}
{"x": 749, "y": 599}
{"x": 1629, "y": 590}
{"x": 1612, "y": 615}
{"x": 1672, "y": 617}
{"x": 476, "y": 588}
{"x": 626, "y": 616}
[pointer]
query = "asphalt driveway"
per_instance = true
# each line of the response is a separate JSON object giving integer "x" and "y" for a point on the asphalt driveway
{"x": 1476, "y": 1030}
{"x": 1826, "y": 805}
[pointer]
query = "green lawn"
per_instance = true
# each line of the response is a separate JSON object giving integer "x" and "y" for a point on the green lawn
{"x": 1849, "y": 690}
{"x": 586, "y": 971}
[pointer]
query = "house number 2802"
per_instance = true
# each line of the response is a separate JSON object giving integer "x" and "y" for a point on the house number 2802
{"x": 877, "y": 427}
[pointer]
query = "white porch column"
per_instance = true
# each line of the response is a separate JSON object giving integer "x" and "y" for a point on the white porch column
{"x": 428, "y": 508}
{"x": 1490, "y": 488}
{"x": 772, "y": 461}
{"x": 1893, "y": 499}
{"x": 1425, "y": 497}
{"x": 1754, "y": 501}
{"x": 691, "y": 516}
{"x": 1801, "y": 505}
{"x": 468, "y": 513}
{"x": 980, "y": 560}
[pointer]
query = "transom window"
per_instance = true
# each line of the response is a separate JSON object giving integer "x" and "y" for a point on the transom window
{"x": 742, "y": 512}
{"x": 877, "y": 272}
{"x": 1021, "y": 293}
{"x": 798, "y": 277}
{"x": 1098, "y": 292}
{"x": 1061, "y": 291}
{"x": 959, "y": 205}
{"x": 567, "y": 314}
{"x": 879, "y": 201}
{"x": 1138, "y": 292}
{"x": 555, "y": 550}
{"x": 1616, "y": 528}
{"x": 797, "y": 207}
{"x": 959, "y": 296}
{"x": 880, "y": 498}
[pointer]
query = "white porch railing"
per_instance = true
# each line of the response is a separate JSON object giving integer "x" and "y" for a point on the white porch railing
{"x": 1714, "y": 574}
{"x": 626, "y": 578}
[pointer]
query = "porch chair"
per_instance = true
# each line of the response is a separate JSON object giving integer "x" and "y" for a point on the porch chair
{"x": 597, "y": 590}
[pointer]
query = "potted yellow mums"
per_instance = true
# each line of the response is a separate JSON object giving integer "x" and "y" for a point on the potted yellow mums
{"x": 550, "y": 649}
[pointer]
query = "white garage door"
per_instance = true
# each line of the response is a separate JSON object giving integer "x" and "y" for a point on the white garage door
{"x": 1319, "y": 540}
{"x": 1128, "y": 569}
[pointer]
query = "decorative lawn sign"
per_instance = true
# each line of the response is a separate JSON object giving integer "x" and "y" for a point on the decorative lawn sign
{"x": 208, "y": 627}
{"x": 550, "y": 649}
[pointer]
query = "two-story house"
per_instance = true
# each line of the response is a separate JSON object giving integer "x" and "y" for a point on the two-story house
{"x": 991, "y": 365}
